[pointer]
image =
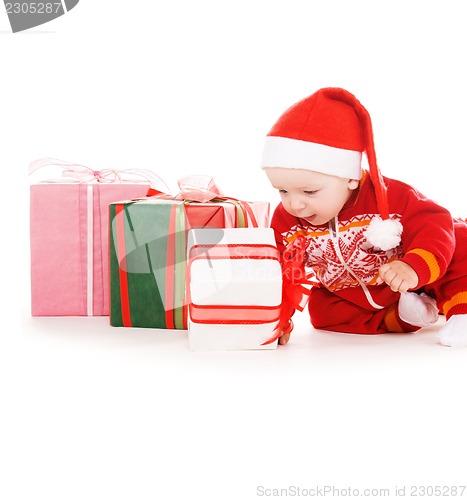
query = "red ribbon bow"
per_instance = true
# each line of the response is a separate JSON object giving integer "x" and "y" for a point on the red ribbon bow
{"x": 296, "y": 286}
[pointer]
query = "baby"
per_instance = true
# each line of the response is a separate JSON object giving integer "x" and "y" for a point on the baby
{"x": 384, "y": 258}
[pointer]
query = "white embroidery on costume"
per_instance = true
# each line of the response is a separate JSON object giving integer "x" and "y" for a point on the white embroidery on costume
{"x": 360, "y": 256}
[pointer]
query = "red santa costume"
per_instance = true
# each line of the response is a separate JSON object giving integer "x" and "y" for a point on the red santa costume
{"x": 382, "y": 221}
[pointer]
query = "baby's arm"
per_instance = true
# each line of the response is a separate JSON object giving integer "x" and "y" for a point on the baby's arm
{"x": 399, "y": 276}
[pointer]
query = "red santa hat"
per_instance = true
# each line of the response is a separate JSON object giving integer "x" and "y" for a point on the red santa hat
{"x": 327, "y": 132}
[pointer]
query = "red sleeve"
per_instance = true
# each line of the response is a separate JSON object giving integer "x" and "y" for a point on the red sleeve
{"x": 428, "y": 239}
{"x": 282, "y": 222}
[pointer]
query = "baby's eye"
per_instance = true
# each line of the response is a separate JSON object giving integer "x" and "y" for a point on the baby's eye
{"x": 310, "y": 192}
{"x": 282, "y": 191}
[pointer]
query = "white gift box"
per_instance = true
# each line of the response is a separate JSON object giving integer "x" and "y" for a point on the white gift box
{"x": 234, "y": 288}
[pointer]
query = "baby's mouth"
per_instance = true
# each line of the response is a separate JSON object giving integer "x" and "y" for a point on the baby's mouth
{"x": 310, "y": 218}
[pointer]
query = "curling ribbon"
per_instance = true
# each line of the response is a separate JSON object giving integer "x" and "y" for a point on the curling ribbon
{"x": 296, "y": 286}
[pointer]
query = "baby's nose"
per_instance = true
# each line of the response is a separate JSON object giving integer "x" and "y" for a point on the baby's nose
{"x": 297, "y": 204}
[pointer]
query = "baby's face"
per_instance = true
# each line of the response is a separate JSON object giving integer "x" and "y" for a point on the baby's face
{"x": 312, "y": 196}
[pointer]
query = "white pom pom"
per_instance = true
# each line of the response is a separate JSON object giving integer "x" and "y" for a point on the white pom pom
{"x": 454, "y": 332}
{"x": 384, "y": 234}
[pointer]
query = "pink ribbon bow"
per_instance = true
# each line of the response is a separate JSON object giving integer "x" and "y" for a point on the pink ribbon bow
{"x": 74, "y": 172}
{"x": 200, "y": 188}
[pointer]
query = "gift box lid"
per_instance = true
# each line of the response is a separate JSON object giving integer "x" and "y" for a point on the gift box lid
{"x": 234, "y": 267}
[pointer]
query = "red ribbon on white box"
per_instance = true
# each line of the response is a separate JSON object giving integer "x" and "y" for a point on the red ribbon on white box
{"x": 232, "y": 314}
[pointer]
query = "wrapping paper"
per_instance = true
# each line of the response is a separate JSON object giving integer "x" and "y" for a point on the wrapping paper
{"x": 235, "y": 289}
{"x": 148, "y": 253}
{"x": 69, "y": 236}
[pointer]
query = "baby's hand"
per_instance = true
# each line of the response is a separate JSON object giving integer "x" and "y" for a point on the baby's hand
{"x": 285, "y": 333}
{"x": 284, "y": 338}
{"x": 399, "y": 276}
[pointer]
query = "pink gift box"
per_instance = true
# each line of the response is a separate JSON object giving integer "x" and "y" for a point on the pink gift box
{"x": 70, "y": 246}
{"x": 69, "y": 227}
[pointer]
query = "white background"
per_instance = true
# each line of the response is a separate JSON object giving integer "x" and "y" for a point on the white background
{"x": 193, "y": 87}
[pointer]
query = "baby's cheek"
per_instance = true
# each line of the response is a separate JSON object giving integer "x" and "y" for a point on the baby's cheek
{"x": 287, "y": 208}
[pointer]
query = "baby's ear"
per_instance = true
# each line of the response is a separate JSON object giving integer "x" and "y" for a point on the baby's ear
{"x": 353, "y": 184}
